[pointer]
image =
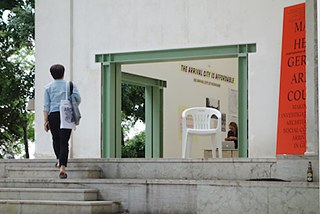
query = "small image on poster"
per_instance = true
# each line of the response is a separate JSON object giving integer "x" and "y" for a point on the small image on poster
{"x": 233, "y": 102}
{"x": 223, "y": 122}
{"x": 213, "y": 103}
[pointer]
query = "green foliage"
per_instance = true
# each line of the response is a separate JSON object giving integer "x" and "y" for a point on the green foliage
{"x": 16, "y": 75}
{"x": 30, "y": 127}
{"x": 126, "y": 125}
{"x": 135, "y": 147}
{"x": 133, "y": 104}
{"x": 133, "y": 109}
{"x": 10, "y": 4}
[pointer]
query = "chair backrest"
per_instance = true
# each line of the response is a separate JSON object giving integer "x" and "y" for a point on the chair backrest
{"x": 201, "y": 117}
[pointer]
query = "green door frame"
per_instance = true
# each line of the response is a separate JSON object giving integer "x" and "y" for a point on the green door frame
{"x": 111, "y": 92}
{"x": 153, "y": 111}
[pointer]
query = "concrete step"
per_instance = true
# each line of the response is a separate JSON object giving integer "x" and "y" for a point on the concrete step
{"x": 58, "y": 207}
{"x": 53, "y": 194}
{"x": 51, "y": 172}
{"x": 292, "y": 168}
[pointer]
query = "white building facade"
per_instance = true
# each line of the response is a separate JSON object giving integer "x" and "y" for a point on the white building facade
{"x": 72, "y": 32}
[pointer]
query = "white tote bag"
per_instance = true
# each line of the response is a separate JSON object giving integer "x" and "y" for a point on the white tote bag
{"x": 66, "y": 114}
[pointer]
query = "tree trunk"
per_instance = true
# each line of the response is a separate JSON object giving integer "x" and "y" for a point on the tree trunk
{"x": 25, "y": 139}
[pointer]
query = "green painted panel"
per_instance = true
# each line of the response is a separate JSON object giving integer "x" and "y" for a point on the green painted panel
{"x": 108, "y": 109}
{"x": 243, "y": 106}
{"x": 156, "y": 122}
{"x": 142, "y": 80}
{"x": 149, "y": 117}
{"x": 161, "y": 124}
{"x": 117, "y": 111}
{"x": 104, "y": 106}
{"x": 175, "y": 54}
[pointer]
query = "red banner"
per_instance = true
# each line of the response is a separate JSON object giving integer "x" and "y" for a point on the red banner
{"x": 291, "y": 138}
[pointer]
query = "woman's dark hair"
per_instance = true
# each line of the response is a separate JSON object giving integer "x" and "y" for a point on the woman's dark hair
{"x": 57, "y": 71}
{"x": 234, "y": 125}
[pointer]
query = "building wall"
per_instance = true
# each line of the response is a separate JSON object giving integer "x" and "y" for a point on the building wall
{"x": 72, "y": 32}
{"x": 52, "y": 46}
{"x": 312, "y": 87}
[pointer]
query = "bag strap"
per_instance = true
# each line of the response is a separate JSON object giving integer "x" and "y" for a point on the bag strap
{"x": 66, "y": 90}
{"x": 71, "y": 87}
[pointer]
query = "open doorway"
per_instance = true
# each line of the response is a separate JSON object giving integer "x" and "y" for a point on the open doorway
{"x": 193, "y": 83}
{"x": 112, "y": 77}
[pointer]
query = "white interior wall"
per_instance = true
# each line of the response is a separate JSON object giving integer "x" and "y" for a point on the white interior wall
{"x": 106, "y": 26}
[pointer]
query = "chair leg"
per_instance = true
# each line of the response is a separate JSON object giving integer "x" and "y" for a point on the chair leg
{"x": 213, "y": 147}
{"x": 219, "y": 144}
{"x": 184, "y": 144}
{"x": 189, "y": 146}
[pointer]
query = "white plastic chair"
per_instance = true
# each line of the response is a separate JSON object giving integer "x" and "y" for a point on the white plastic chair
{"x": 201, "y": 117}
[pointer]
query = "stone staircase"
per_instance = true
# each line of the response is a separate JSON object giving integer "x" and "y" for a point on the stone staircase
{"x": 266, "y": 186}
{"x": 29, "y": 189}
